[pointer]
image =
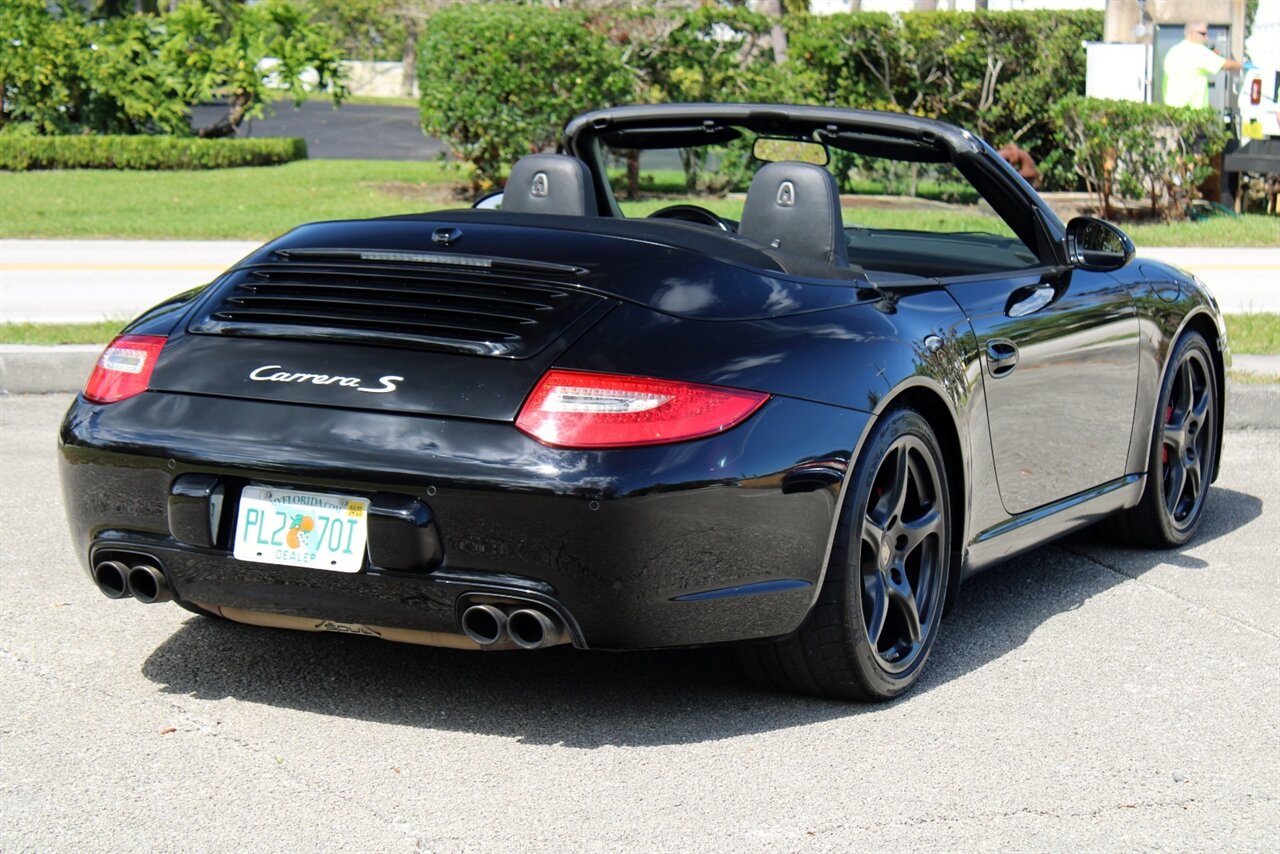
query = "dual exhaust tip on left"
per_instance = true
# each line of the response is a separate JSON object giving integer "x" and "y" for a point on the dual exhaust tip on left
{"x": 143, "y": 581}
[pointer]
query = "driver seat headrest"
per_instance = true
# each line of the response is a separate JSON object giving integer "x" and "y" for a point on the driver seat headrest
{"x": 795, "y": 208}
{"x": 550, "y": 184}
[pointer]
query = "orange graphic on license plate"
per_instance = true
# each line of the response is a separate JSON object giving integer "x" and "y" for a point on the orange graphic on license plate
{"x": 300, "y": 531}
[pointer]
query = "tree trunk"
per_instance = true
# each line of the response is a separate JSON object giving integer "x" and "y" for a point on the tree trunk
{"x": 409, "y": 55}
{"x": 926, "y": 5}
{"x": 228, "y": 124}
{"x": 981, "y": 5}
{"x": 777, "y": 35}
{"x": 409, "y": 66}
{"x": 633, "y": 174}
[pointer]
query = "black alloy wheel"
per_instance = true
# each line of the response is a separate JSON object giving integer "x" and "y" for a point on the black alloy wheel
{"x": 1184, "y": 452}
{"x": 901, "y": 555}
{"x": 1185, "y": 443}
{"x": 877, "y": 615}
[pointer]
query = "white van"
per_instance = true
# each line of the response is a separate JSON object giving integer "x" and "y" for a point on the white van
{"x": 1260, "y": 87}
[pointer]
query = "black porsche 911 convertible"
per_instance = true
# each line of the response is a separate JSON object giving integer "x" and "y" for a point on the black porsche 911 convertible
{"x": 550, "y": 423}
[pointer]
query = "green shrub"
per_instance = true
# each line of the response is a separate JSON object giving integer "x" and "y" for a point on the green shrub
{"x": 21, "y": 152}
{"x": 500, "y": 82}
{"x": 1135, "y": 150}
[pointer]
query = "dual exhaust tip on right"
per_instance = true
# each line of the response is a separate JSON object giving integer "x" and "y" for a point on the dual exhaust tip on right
{"x": 143, "y": 581}
{"x": 526, "y": 627}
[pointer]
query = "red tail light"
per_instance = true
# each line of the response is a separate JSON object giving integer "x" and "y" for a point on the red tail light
{"x": 577, "y": 409}
{"x": 124, "y": 368}
{"x": 1255, "y": 91}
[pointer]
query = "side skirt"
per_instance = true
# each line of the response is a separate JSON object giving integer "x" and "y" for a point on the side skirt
{"x": 1035, "y": 528}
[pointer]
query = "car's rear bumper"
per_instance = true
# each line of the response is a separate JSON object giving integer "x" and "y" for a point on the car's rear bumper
{"x": 715, "y": 540}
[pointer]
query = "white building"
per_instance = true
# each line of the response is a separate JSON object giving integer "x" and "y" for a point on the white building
{"x": 831, "y": 7}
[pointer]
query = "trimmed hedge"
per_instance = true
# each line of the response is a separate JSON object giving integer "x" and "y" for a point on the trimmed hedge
{"x": 20, "y": 153}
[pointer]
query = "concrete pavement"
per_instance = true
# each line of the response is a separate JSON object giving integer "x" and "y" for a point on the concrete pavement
{"x": 1084, "y": 697}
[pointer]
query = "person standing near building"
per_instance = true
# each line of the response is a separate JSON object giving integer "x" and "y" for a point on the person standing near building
{"x": 1188, "y": 66}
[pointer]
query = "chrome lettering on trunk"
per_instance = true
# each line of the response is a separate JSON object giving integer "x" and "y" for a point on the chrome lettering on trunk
{"x": 277, "y": 374}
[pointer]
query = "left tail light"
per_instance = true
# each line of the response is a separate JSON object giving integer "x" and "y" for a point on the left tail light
{"x": 580, "y": 409}
{"x": 124, "y": 368}
{"x": 1255, "y": 91}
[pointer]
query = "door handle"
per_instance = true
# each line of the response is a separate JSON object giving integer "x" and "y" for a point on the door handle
{"x": 1029, "y": 300}
{"x": 1002, "y": 357}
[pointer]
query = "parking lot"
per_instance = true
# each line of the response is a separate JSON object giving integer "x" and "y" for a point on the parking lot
{"x": 1084, "y": 696}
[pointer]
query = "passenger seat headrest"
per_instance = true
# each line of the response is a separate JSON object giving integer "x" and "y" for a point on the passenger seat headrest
{"x": 795, "y": 208}
{"x": 550, "y": 184}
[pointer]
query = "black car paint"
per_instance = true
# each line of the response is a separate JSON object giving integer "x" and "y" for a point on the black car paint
{"x": 720, "y": 539}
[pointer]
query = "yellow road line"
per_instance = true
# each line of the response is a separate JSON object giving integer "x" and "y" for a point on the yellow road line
{"x": 97, "y": 267}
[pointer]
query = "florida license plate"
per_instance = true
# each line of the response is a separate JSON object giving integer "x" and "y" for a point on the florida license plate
{"x": 293, "y": 528}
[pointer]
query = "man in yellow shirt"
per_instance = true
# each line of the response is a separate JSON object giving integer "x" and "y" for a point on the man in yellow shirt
{"x": 1188, "y": 66}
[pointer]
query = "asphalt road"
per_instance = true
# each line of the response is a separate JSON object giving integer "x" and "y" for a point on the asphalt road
{"x": 75, "y": 281}
{"x": 1084, "y": 697}
{"x": 349, "y": 132}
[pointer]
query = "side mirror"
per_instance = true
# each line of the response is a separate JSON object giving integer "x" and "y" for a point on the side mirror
{"x": 489, "y": 201}
{"x": 1095, "y": 244}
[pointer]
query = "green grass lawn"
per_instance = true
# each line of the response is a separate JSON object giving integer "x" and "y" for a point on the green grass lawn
{"x": 1248, "y": 230}
{"x": 1254, "y": 333}
{"x": 247, "y": 204}
{"x": 60, "y": 333}
{"x": 259, "y": 203}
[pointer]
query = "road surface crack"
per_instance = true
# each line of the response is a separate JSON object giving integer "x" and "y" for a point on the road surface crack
{"x": 1176, "y": 595}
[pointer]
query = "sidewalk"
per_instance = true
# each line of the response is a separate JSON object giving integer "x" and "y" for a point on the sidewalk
{"x": 84, "y": 281}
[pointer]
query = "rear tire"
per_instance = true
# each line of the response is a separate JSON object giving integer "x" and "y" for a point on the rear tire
{"x": 1184, "y": 452}
{"x": 877, "y": 615}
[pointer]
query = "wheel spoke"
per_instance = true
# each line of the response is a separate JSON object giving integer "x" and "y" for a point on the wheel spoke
{"x": 1193, "y": 477}
{"x": 872, "y": 534}
{"x": 924, "y": 588}
{"x": 1196, "y": 414}
{"x": 918, "y": 530}
{"x": 874, "y": 588}
{"x": 1177, "y": 480}
{"x": 898, "y": 491}
{"x": 1186, "y": 390}
{"x": 904, "y": 600}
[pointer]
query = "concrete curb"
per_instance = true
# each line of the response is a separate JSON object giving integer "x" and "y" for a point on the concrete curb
{"x": 64, "y": 369}
{"x": 46, "y": 370}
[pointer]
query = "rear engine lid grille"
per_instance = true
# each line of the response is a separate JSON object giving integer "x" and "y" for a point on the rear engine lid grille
{"x": 462, "y": 304}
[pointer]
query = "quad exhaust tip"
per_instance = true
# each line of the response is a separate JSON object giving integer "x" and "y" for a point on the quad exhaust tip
{"x": 148, "y": 585}
{"x": 484, "y": 624}
{"x": 143, "y": 581}
{"x": 112, "y": 578}
{"x": 530, "y": 629}
{"x": 527, "y": 628}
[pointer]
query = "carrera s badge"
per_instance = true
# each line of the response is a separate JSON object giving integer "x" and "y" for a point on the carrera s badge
{"x": 264, "y": 374}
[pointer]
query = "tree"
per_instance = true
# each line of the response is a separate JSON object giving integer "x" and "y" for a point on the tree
{"x": 499, "y": 82}
{"x": 215, "y": 54}
{"x": 63, "y": 73}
